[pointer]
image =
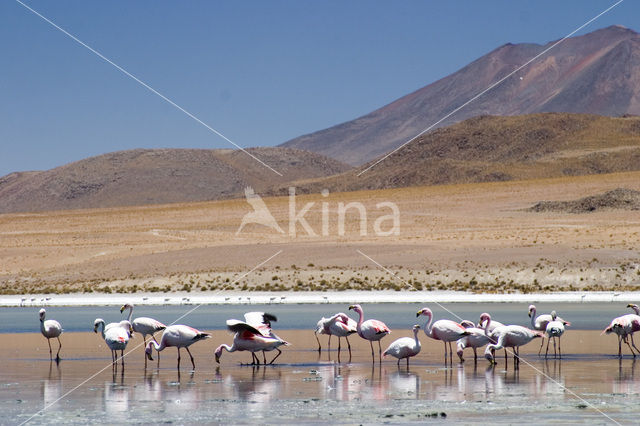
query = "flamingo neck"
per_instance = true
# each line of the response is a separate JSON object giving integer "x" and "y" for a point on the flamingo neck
{"x": 229, "y": 348}
{"x": 130, "y": 313}
{"x": 360, "y": 319}
{"x": 158, "y": 347}
{"x": 415, "y": 336}
{"x": 533, "y": 318}
{"x": 427, "y": 326}
{"x": 101, "y": 323}
{"x": 486, "y": 327}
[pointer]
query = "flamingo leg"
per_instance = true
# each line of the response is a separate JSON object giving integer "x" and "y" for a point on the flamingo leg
{"x": 554, "y": 347}
{"x": 144, "y": 340}
{"x": 633, "y": 343}
{"x": 379, "y": 352}
{"x": 329, "y": 344}
{"x": 178, "y": 359}
{"x": 264, "y": 358}
{"x": 122, "y": 357}
{"x": 547, "y": 351}
{"x": 319, "y": 346}
{"x": 373, "y": 358}
{"x": 559, "y": 350}
{"x": 274, "y": 358}
{"x": 59, "y": 347}
{"x": 193, "y": 364}
{"x": 50, "y": 352}
{"x": 475, "y": 355}
{"x": 407, "y": 363}
{"x": 627, "y": 342}
{"x": 541, "y": 344}
{"x": 339, "y": 349}
{"x": 445, "y": 352}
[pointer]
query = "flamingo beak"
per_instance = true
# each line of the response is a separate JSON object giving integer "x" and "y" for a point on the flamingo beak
{"x": 149, "y": 357}
{"x": 217, "y": 358}
{"x": 418, "y": 313}
{"x": 351, "y": 307}
{"x": 629, "y": 305}
{"x": 122, "y": 309}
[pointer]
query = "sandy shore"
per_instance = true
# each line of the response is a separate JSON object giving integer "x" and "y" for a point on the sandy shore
{"x": 277, "y": 298}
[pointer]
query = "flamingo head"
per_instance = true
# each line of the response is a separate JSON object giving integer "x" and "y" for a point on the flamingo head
{"x": 125, "y": 306}
{"x": 532, "y": 310}
{"x": 147, "y": 351}
{"x": 467, "y": 324}
{"x": 416, "y": 329}
{"x": 460, "y": 351}
{"x": 344, "y": 318}
{"x": 425, "y": 311}
{"x": 97, "y": 323}
{"x": 356, "y": 308}
{"x": 554, "y": 315}
{"x": 127, "y": 326}
{"x": 488, "y": 354}
{"x": 42, "y": 314}
{"x": 217, "y": 353}
{"x": 484, "y": 317}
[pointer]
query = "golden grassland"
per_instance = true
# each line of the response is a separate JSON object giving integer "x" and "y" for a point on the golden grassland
{"x": 474, "y": 237}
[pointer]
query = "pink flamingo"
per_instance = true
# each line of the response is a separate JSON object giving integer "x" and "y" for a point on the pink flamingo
{"x": 261, "y": 321}
{"x": 555, "y": 329}
{"x": 371, "y": 330}
{"x": 492, "y": 324}
{"x": 476, "y": 339}
{"x": 50, "y": 329}
{"x": 341, "y": 325}
{"x": 405, "y": 347}
{"x": 507, "y": 336}
{"x": 145, "y": 326}
{"x": 322, "y": 328}
{"x": 178, "y": 336}
{"x": 445, "y": 330}
{"x": 540, "y": 322}
{"x": 248, "y": 338}
{"x": 624, "y": 326}
{"x": 333, "y": 326}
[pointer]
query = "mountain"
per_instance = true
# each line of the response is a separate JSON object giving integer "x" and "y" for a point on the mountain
{"x": 157, "y": 176}
{"x": 500, "y": 148}
{"x": 597, "y": 73}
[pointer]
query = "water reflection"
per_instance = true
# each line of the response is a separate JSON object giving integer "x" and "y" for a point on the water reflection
{"x": 52, "y": 384}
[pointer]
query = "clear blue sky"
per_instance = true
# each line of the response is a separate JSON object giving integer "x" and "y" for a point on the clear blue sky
{"x": 260, "y": 72}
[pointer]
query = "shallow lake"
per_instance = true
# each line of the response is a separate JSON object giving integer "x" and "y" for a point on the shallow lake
{"x": 589, "y": 385}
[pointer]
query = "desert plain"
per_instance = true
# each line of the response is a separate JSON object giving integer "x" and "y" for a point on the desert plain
{"x": 476, "y": 237}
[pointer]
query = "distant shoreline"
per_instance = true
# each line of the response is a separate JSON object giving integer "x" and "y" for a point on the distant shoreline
{"x": 291, "y": 297}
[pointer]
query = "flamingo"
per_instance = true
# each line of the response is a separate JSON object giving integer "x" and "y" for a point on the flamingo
{"x": 624, "y": 326}
{"x": 405, "y": 347}
{"x": 371, "y": 330}
{"x": 540, "y": 322}
{"x": 261, "y": 321}
{"x": 341, "y": 325}
{"x": 477, "y": 338}
{"x": 555, "y": 329}
{"x": 180, "y": 336}
{"x": 145, "y": 326}
{"x": 116, "y": 335}
{"x": 445, "y": 330}
{"x": 322, "y": 328}
{"x": 512, "y": 336}
{"x": 50, "y": 329}
{"x": 492, "y": 331}
{"x": 491, "y": 325}
{"x": 248, "y": 338}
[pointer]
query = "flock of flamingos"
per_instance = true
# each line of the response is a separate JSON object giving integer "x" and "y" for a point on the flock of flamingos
{"x": 255, "y": 334}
